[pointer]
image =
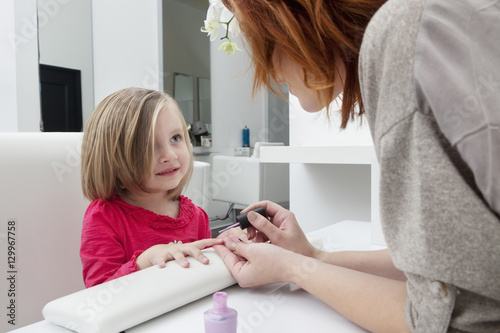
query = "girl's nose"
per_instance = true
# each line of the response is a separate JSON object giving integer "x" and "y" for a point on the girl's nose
{"x": 167, "y": 155}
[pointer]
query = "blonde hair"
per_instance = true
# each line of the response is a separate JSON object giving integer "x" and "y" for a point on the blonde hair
{"x": 119, "y": 140}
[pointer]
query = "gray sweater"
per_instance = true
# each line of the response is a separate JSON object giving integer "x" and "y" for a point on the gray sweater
{"x": 430, "y": 78}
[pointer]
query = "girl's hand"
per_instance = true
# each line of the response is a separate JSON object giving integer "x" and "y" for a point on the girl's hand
{"x": 237, "y": 232}
{"x": 161, "y": 253}
{"x": 281, "y": 229}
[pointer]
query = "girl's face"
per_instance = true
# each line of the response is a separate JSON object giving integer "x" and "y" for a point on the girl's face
{"x": 291, "y": 73}
{"x": 171, "y": 159}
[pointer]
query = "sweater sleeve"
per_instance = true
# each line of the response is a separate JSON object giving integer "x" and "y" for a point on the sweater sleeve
{"x": 102, "y": 252}
{"x": 458, "y": 80}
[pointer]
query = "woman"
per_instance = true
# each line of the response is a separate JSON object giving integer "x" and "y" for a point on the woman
{"x": 427, "y": 74}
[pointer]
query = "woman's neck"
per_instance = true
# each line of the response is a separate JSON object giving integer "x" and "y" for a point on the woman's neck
{"x": 156, "y": 202}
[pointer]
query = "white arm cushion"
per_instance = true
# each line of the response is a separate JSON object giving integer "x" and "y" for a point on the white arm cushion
{"x": 133, "y": 299}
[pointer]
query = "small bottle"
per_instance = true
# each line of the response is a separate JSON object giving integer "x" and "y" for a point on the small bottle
{"x": 220, "y": 318}
{"x": 246, "y": 137}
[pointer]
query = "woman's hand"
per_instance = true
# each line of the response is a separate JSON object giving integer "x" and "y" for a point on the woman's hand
{"x": 255, "y": 264}
{"x": 281, "y": 229}
{"x": 161, "y": 253}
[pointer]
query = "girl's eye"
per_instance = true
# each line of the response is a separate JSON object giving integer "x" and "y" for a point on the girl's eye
{"x": 176, "y": 138}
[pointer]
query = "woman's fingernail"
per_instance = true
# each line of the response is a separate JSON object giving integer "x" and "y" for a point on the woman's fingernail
{"x": 205, "y": 259}
{"x": 252, "y": 216}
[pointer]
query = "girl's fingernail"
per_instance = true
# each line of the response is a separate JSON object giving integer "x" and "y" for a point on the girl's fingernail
{"x": 205, "y": 259}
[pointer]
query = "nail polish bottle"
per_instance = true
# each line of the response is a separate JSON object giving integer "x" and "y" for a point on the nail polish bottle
{"x": 220, "y": 318}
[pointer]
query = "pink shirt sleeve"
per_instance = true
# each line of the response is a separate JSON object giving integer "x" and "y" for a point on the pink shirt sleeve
{"x": 102, "y": 252}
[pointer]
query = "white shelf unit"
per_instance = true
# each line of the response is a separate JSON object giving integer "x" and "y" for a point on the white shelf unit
{"x": 318, "y": 154}
{"x": 334, "y": 159}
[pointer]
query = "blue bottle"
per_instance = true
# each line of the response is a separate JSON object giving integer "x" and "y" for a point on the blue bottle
{"x": 246, "y": 137}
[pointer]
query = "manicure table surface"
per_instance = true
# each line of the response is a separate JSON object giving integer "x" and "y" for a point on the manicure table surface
{"x": 273, "y": 308}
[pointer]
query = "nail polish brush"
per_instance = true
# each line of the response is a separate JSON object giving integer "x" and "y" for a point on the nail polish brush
{"x": 242, "y": 220}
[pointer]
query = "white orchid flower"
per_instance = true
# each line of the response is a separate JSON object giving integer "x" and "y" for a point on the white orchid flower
{"x": 216, "y": 3}
{"x": 218, "y": 15}
{"x": 229, "y": 47}
{"x": 211, "y": 24}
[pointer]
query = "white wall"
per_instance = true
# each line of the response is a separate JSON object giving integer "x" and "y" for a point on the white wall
{"x": 322, "y": 194}
{"x": 278, "y": 122}
{"x": 65, "y": 38}
{"x": 28, "y": 96}
{"x": 314, "y": 129}
{"x": 127, "y": 52}
{"x": 19, "y": 92}
{"x": 8, "y": 91}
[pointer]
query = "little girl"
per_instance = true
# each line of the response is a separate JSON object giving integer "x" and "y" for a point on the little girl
{"x": 136, "y": 159}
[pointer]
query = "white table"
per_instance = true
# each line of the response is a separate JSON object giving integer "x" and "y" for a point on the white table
{"x": 274, "y": 308}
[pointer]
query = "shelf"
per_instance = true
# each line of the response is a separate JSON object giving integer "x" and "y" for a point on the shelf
{"x": 318, "y": 154}
{"x": 202, "y": 151}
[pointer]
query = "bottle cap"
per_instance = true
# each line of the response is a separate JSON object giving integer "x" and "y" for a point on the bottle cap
{"x": 220, "y": 301}
{"x": 243, "y": 218}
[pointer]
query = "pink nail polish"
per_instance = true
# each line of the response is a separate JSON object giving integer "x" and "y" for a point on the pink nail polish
{"x": 220, "y": 318}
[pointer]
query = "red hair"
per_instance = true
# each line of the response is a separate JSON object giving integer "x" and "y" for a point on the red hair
{"x": 316, "y": 34}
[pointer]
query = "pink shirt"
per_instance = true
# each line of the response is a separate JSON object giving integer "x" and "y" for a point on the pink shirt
{"x": 114, "y": 233}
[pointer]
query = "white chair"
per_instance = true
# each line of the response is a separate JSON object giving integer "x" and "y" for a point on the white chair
{"x": 196, "y": 189}
{"x": 41, "y": 193}
{"x": 41, "y": 202}
{"x": 246, "y": 180}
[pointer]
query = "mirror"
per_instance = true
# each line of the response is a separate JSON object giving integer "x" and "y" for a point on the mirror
{"x": 65, "y": 40}
{"x": 196, "y": 109}
{"x": 186, "y": 55}
{"x": 184, "y": 95}
{"x": 204, "y": 101}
